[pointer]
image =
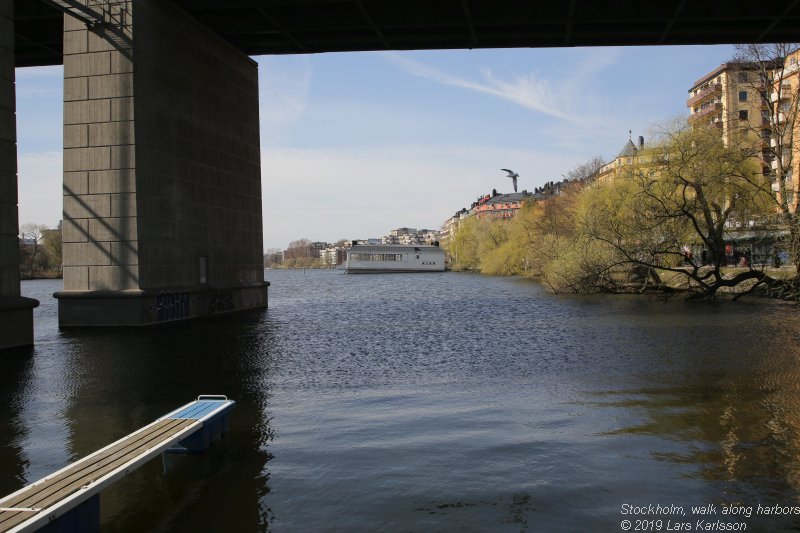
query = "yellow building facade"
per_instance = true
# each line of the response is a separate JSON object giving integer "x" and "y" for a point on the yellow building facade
{"x": 734, "y": 98}
{"x": 785, "y": 141}
{"x": 629, "y": 155}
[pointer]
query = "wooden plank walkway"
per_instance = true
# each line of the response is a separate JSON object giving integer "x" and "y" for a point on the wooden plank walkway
{"x": 45, "y": 500}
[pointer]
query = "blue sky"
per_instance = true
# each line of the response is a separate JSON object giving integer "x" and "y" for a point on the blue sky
{"x": 356, "y": 144}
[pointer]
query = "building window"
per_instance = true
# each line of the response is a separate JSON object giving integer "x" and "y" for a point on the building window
{"x": 743, "y": 114}
{"x": 743, "y": 77}
{"x": 742, "y": 96}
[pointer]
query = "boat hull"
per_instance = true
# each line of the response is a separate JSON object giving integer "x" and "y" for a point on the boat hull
{"x": 387, "y": 271}
{"x": 394, "y": 259}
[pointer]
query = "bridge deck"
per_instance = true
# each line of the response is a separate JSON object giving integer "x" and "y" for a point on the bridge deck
{"x": 45, "y": 500}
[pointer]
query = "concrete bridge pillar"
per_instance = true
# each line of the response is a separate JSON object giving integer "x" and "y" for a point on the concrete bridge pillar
{"x": 16, "y": 312}
{"x": 162, "y": 177}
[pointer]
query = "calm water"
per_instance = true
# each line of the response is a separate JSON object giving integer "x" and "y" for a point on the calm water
{"x": 443, "y": 402}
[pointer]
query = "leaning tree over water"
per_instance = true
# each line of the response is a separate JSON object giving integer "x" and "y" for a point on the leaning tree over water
{"x": 684, "y": 190}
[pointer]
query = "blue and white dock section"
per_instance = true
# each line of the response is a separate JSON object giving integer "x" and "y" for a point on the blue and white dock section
{"x": 68, "y": 500}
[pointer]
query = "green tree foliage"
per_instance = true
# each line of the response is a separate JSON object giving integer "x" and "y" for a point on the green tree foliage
{"x": 684, "y": 191}
{"x": 52, "y": 246}
{"x": 39, "y": 251}
{"x": 628, "y": 232}
{"x": 523, "y": 245}
{"x": 464, "y": 246}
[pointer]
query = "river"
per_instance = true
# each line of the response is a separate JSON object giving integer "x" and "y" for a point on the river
{"x": 429, "y": 402}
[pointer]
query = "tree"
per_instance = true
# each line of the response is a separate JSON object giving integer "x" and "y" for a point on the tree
{"x": 272, "y": 257}
{"x": 463, "y": 248}
{"x": 52, "y": 248}
{"x": 32, "y": 257}
{"x": 684, "y": 193}
{"x": 297, "y": 249}
{"x": 772, "y": 138}
{"x": 545, "y": 228}
{"x": 534, "y": 238}
{"x": 585, "y": 171}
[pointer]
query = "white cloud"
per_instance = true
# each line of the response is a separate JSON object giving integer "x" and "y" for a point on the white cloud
{"x": 284, "y": 88}
{"x": 40, "y": 180}
{"x": 529, "y": 91}
{"x": 40, "y": 82}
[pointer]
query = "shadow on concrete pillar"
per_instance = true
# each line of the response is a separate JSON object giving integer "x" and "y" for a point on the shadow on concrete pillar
{"x": 16, "y": 312}
{"x": 162, "y": 171}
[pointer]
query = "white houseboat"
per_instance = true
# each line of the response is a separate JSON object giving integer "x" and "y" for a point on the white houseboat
{"x": 384, "y": 258}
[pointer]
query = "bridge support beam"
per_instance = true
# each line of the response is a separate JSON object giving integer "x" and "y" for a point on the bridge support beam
{"x": 162, "y": 177}
{"x": 16, "y": 312}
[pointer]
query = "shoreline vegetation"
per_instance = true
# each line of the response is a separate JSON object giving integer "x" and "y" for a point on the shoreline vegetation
{"x": 40, "y": 254}
{"x": 42, "y": 275}
{"x": 661, "y": 224}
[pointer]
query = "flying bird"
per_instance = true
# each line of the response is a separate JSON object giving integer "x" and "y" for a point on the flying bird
{"x": 513, "y": 175}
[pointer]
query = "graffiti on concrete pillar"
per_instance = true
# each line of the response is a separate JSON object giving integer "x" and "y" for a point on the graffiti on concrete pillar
{"x": 212, "y": 301}
{"x": 221, "y": 301}
{"x": 172, "y": 306}
{"x": 178, "y": 305}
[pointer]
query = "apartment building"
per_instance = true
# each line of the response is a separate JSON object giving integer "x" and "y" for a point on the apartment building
{"x": 333, "y": 256}
{"x": 410, "y": 236}
{"x": 500, "y": 206}
{"x": 492, "y": 206}
{"x": 450, "y": 225}
{"x": 785, "y": 140}
{"x": 762, "y": 100}
{"x": 734, "y": 97}
{"x": 628, "y": 156}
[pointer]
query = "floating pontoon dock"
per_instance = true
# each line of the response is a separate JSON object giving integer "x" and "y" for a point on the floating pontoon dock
{"x": 71, "y": 494}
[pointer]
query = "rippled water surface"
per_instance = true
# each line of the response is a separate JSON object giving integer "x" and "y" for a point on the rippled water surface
{"x": 430, "y": 402}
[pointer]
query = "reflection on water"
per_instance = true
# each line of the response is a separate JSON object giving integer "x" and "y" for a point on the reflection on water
{"x": 738, "y": 428}
{"x": 424, "y": 403}
{"x": 15, "y": 380}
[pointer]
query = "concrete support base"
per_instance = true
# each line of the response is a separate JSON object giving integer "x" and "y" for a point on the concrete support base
{"x": 144, "y": 308}
{"x": 16, "y": 321}
{"x": 162, "y": 170}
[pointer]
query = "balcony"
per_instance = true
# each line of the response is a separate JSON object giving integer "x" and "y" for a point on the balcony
{"x": 773, "y": 163}
{"x": 786, "y": 93}
{"x": 706, "y": 112}
{"x": 714, "y": 88}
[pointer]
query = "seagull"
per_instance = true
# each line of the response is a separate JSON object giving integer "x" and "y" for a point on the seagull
{"x": 513, "y": 175}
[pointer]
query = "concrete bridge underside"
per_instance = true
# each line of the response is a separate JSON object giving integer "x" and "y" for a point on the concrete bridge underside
{"x": 162, "y": 190}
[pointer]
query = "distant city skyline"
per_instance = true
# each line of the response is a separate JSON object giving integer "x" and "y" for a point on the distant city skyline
{"x": 356, "y": 144}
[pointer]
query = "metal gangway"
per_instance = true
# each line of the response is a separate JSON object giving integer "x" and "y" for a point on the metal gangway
{"x": 68, "y": 500}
